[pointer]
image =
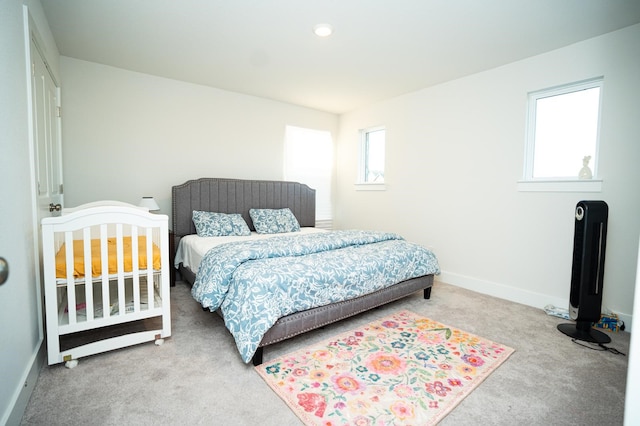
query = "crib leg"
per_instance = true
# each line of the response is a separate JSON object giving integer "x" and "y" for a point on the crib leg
{"x": 427, "y": 293}
{"x": 71, "y": 364}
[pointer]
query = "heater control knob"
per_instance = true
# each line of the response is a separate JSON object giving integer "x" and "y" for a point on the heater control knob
{"x": 579, "y": 213}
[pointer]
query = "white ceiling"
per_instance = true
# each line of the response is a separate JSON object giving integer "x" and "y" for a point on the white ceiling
{"x": 379, "y": 49}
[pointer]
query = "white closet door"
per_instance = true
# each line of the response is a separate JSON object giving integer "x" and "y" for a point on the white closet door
{"x": 47, "y": 135}
{"x": 47, "y": 153}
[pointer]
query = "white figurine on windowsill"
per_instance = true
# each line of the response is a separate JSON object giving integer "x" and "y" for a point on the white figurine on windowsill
{"x": 585, "y": 171}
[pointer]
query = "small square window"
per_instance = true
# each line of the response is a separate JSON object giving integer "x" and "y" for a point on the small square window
{"x": 563, "y": 132}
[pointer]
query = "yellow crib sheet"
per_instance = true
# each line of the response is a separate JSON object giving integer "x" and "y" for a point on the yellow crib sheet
{"x": 96, "y": 262}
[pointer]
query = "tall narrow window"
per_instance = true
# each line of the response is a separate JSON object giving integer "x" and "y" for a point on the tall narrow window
{"x": 562, "y": 132}
{"x": 308, "y": 158}
{"x": 372, "y": 149}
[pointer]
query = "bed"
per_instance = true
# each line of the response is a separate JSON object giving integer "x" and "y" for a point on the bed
{"x": 106, "y": 279}
{"x": 242, "y": 198}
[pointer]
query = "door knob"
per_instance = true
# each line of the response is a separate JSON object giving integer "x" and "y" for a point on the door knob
{"x": 55, "y": 207}
{"x": 4, "y": 270}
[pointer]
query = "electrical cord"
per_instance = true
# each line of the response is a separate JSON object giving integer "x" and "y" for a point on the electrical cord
{"x": 600, "y": 347}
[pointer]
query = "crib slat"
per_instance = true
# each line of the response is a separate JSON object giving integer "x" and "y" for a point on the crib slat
{"x": 120, "y": 264}
{"x": 88, "y": 274}
{"x": 150, "y": 282}
{"x": 104, "y": 266}
{"x": 71, "y": 285}
{"x": 135, "y": 268}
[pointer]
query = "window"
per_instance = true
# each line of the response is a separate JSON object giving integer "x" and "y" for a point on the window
{"x": 562, "y": 133}
{"x": 372, "y": 143}
{"x": 308, "y": 158}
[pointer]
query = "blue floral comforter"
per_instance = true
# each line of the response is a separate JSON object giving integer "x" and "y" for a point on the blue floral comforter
{"x": 258, "y": 281}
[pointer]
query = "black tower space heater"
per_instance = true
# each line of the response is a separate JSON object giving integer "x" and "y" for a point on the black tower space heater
{"x": 585, "y": 300}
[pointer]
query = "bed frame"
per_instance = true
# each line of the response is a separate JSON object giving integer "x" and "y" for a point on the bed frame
{"x": 238, "y": 196}
{"x": 91, "y": 314}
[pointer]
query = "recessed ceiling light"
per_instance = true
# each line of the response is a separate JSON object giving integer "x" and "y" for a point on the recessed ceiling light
{"x": 323, "y": 30}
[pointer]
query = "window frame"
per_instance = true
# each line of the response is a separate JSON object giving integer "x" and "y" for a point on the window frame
{"x": 362, "y": 183}
{"x": 559, "y": 184}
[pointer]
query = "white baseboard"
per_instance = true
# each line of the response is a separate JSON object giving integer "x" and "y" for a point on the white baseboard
{"x": 525, "y": 297}
{"x": 16, "y": 409}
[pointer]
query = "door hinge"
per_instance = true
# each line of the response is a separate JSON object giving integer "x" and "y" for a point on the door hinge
{"x": 33, "y": 69}
{"x": 58, "y": 111}
{"x": 61, "y": 189}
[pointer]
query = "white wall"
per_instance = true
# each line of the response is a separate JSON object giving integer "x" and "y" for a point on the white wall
{"x": 632, "y": 395}
{"x": 21, "y": 332}
{"x": 455, "y": 152}
{"x": 128, "y": 135}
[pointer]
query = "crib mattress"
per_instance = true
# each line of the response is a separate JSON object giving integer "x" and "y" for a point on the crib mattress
{"x": 96, "y": 258}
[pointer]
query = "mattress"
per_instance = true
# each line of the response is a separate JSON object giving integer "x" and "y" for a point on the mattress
{"x": 192, "y": 248}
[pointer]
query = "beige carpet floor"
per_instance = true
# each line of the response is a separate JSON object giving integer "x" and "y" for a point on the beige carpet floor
{"x": 198, "y": 378}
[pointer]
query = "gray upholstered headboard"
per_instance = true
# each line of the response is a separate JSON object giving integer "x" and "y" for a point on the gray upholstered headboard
{"x": 238, "y": 196}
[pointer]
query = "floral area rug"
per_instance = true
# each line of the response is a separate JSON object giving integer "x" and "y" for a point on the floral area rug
{"x": 404, "y": 369}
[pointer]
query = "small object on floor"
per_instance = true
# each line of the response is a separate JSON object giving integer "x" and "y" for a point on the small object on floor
{"x": 557, "y": 312}
{"x": 71, "y": 364}
{"x": 159, "y": 342}
{"x": 610, "y": 322}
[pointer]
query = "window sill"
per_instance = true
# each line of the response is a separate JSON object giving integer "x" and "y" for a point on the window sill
{"x": 577, "y": 185}
{"x": 370, "y": 187}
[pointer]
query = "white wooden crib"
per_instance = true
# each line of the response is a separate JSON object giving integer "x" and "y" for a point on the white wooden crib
{"x": 123, "y": 284}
